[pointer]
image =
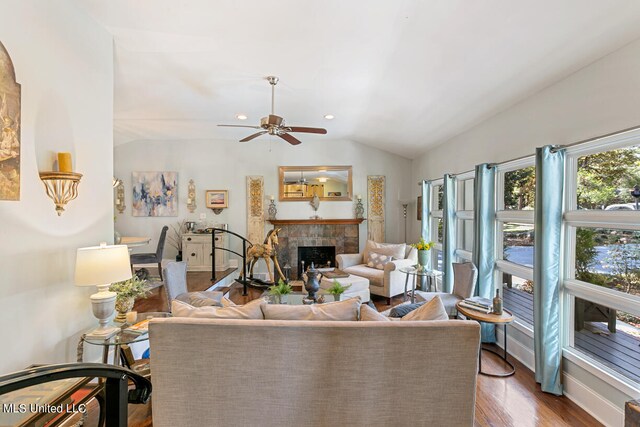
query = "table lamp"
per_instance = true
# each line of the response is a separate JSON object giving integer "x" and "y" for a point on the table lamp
{"x": 101, "y": 266}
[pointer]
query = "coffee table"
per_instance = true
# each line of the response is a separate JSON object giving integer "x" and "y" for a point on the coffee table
{"x": 503, "y": 319}
{"x": 296, "y": 298}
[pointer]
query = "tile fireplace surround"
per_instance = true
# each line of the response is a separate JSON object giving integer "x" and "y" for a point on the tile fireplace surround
{"x": 344, "y": 236}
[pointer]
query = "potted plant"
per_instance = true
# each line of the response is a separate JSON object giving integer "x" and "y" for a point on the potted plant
{"x": 280, "y": 291}
{"x": 423, "y": 247}
{"x": 337, "y": 289}
{"x": 175, "y": 238}
{"x": 128, "y": 290}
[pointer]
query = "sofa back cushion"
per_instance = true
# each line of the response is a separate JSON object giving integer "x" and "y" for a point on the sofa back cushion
{"x": 340, "y": 310}
{"x": 396, "y": 250}
{"x": 432, "y": 310}
{"x": 368, "y": 314}
{"x": 250, "y": 310}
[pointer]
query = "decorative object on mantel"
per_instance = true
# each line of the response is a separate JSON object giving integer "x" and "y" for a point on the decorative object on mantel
{"x": 376, "y": 201}
{"x": 255, "y": 208}
{"x": 9, "y": 129}
{"x": 268, "y": 252}
{"x": 359, "y": 207}
{"x": 119, "y": 185}
{"x": 61, "y": 187}
{"x": 127, "y": 291}
{"x": 155, "y": 193}
{"x": 216, "y": 200}
{"x": 315, "y": 204}
{"x": 191, "y": 196}
{"x": 275, "y": 125}
{"x": 272, "y": 211}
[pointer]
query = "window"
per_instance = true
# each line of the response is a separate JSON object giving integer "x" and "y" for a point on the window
{"x": 517, "y": 294}
{"x": 464, "y": 215}
{"x": 436, "y": 223}
{"x": 515, "y": 237}
{"x": 602, "y": 254}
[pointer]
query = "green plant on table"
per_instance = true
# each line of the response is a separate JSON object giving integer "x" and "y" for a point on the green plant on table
{"x": 337, "y": 288}
{"x": 282, "y": 288}
{"x": 130, "y": 288}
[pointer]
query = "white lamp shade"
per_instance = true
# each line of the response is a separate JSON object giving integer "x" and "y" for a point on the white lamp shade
{"x": 100, "y": 265}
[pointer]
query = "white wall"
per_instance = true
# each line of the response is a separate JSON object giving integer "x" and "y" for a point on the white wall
{"x": 64, "y": 62}
{"x": 599, "y": 99}
{"x": 221, "y": 165}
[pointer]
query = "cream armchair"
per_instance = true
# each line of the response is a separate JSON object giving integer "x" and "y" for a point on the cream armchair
{"x": 388, "y": 282}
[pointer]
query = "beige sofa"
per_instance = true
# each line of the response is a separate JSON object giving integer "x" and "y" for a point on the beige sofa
{"x": 388, "y": 282}
{"x": 228, "y": 372}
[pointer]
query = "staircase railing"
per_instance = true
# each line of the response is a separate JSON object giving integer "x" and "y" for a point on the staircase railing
{"x": 242, "y": 278}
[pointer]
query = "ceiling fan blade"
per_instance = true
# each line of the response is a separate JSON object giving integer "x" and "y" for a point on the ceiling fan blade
{"x": 306, "y": 130}
{"x": 290, "y": 139}
{"x": 241, "y": 126}
{"x": 255, "y": 135}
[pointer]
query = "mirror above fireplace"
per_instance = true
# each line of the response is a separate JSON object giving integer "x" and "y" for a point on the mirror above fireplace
{"x": 301, "y": 183}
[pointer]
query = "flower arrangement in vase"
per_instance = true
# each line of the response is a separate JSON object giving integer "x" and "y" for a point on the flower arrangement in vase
{"x": 128, "y": 290}
{"x": 423, "y": 248}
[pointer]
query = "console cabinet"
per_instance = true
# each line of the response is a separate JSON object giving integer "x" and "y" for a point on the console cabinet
{"x": 196, "y": 251}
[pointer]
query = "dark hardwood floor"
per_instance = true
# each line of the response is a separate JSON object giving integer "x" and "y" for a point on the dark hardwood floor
{"x": 512, "y": 401}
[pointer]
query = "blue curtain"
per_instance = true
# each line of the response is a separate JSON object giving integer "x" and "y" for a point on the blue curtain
{"x": 426, "y": 214}
{"x": 484, "y": 230}
{"x": 449, "y": 199}
{"x": 546, "y": 274}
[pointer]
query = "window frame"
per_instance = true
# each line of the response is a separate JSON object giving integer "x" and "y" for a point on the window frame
{"x": 433, "y": 222}
{"x": 572, "y": 287}
{"x": 463, "y": 215}
{"x": 504, "y": 216}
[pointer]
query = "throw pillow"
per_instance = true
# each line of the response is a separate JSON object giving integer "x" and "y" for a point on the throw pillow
{"x": 340, "y": 310}
{"x": 368, "y": 314}
{"x": 378, "y": 260}
{"x": 404, "y": 309}
{"x": 250, "y": 310}
{"x": 226, "y": 302}
{"x": 432, "y": 310}
{"x": 396, "y": 250}
{"x": 201, "y": 299}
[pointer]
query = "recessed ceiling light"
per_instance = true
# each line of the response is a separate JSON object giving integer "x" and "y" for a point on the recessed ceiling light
{"x": 322, "y": 179}
{"x": 322, "y": 170}
{"x": 241, "y": 117}
{"x": 329, "y": 116}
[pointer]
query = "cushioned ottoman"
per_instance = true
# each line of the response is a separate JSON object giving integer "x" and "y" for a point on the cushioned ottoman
{"x": 359, "y": 286}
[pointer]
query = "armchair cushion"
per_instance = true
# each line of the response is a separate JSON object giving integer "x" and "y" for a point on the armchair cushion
{"x": 396, "y": 250}
{"x": 378, "y": 260}
{"x": 375, "y": 276}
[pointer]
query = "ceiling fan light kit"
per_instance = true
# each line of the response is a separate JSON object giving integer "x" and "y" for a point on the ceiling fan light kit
{"x": 275, "y": 125}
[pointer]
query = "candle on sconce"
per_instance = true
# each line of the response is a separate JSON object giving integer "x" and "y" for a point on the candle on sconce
{"x": 132, "y": 316}
{"x": 359, "y": 196}
{"x": 189, "y": 201}
{"x": 64, "y": 162}
{"x": 272, "y": 197}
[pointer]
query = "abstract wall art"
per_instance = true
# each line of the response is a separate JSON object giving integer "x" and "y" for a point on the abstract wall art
{"x": 155, "y": 193}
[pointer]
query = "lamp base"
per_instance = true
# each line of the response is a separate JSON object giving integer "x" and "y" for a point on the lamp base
{"x": 103, "y": 304}
{"x": 101, "y": 333}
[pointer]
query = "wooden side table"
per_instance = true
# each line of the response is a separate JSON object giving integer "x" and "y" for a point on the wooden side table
{"x": 503, "y": 319}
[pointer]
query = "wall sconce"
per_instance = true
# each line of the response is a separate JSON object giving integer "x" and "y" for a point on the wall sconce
{"x": 191, "y": 196}
{"x": 120, "y": 195}
{"x": 272, "y": 211}
{"x": 61, "y": 187}
{"x": 359, "y": 207}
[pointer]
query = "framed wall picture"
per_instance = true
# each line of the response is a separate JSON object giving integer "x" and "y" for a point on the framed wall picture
{"x": 155, "y": 193}
{"x": 419, "y": 205}
{"x": 217, "y": 199}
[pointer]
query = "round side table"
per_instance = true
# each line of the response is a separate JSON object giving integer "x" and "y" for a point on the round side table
{"x": 431, "y": 276}
{"x": 503, "y": 319}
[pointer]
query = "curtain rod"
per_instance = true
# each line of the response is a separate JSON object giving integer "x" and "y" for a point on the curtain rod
{"x": 554, "y": 149}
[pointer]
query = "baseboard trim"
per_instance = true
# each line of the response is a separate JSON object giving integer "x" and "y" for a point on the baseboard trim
{"x": 597, "y": 406}
{"x": 517, "y": 350}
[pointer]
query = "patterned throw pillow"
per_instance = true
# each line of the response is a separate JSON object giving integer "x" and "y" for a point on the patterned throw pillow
{"x": 377, "y": 260}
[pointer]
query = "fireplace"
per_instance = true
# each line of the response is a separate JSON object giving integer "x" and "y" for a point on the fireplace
{"x": 321, "y": 256}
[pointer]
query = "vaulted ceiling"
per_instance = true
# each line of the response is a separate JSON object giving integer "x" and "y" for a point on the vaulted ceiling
{"x": 399, "y": 75}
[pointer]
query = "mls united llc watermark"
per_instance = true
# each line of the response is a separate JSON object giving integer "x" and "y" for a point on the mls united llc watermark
{"x": 34, "y": 408}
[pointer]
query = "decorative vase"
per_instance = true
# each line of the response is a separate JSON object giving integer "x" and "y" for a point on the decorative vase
{"x": 179, "y": 256}
{"x": 123, "y": 306}
{"x": 284, "y": 299}
{"x": 423, "y": 258}
{"x": 313, "y": 282}
{"x": 337, "y": 297}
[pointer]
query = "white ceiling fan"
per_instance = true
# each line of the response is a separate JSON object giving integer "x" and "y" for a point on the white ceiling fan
{"x": 275, "y": 125}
